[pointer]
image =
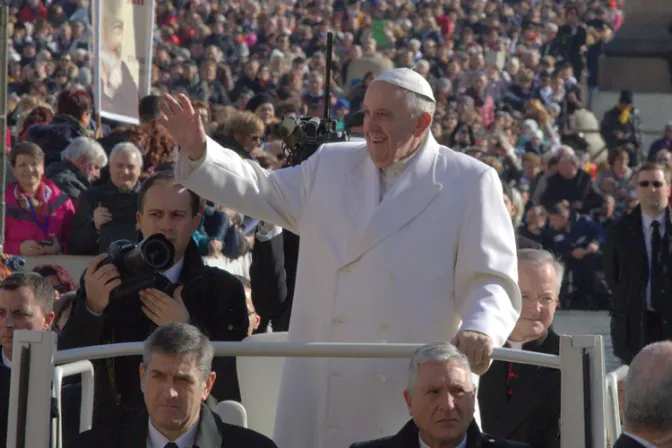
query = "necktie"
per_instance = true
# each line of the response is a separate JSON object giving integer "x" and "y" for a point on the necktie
{"x": 171, "y": 445}
{"x": 656, "y": 266}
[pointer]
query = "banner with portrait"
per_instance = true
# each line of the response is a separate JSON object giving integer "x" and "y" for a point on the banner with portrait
{"x": 123, "y": 56}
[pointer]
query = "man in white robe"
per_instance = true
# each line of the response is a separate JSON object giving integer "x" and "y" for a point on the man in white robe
{"x": 402, "y": 241}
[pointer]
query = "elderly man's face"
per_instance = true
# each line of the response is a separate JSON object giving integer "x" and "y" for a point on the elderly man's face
{"x": 539, "y": 289}
{"x": 125, "y": 169}
{"x": 114, "y": 34}
{"x": 442, "y": 402}
{"x": 389, "y": 128}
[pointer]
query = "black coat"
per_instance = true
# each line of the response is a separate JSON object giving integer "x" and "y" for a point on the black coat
{"x": 85, "y": 239}
{"x": 68, "y": 178}
{"x": 215, "y": 300}
{"x": 523, "y": 242}
{"x": 581, "y": 188}
{"x": 626, "y": 268}
{"x": 532, "y": 413}
{"x": 627, "y": 442}
{"x": 273, "y": 277}
{"x": 408, "y": 438}
{"x": 54, "y": 137}
{"x": 212, "y": 433}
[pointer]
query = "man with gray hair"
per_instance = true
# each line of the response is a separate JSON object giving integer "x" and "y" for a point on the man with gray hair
{"x": 379, "y": 260}
{"x": 81, "y": 163}
{"x": 106, "y": 213}
{"x": 648, "y": 399}
{"x": 176, "y": 378}
{"x": 440, "y": 397}
{"x": 519, "y": 401}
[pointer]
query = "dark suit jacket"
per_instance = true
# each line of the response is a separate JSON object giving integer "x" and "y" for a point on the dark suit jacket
{"x": 532, "y": 413}
{"x": 408, "y": 438}
{"x": 626, "y": 268}
{"x": 212, "y": 433}
{"x": 626, "y": 442}
{"x": 5, "y": 378}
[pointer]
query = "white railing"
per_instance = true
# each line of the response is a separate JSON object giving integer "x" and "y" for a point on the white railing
{"x": 581, "y": 358}
{"x": 614, "y": 409}
{"x": 85, "y": 368}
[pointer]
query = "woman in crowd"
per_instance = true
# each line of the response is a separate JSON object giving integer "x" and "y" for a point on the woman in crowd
{"x": 38, "y": 215}
{"x": 58, "y": 277}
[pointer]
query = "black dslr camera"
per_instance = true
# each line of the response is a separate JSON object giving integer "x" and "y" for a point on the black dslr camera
{"x": 138, "y": 264}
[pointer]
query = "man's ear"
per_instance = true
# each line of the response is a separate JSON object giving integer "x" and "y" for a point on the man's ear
{"x": 48, "y": 320}
{"x": 196, "y": 222}
{"x": 424, "y": 122}
{"x": 142, "y": 377}
{"x": 407, "y": 398}
{"x": 209, "y": 382}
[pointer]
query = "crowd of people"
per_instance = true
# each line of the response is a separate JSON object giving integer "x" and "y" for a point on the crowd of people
{"x": 512, "y": 82}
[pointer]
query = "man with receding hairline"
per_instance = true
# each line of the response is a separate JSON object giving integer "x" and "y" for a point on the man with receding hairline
{"x": 402, "y": 240}
{"x": 647, "y": 422}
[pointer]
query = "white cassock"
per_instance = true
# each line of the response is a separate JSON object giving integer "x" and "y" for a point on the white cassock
{"x": 435, "y": 255}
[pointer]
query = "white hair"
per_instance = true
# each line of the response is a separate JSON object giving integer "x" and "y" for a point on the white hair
{"x": 538, "y": 258}
{"x": 419, "y": 104}
{"x": 126, "y": 147}
{"x": 424, "y": 63}
{"x": 85, "y": 147}
{"x": 648, "y": 389}
{"x": 436, "y": 352}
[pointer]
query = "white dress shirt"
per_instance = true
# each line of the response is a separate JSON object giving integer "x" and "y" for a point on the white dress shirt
{"x": 463, "y": 443}
{"x": 6, "y": 360}
{"x": 648, "y": 232}
{"x": 173, "y": 272}
{"x": 157, "y": 440}
{"x": 644, "y": 443}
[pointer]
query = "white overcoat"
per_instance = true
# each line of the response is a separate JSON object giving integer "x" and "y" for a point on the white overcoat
{"x": 436, "y": 255}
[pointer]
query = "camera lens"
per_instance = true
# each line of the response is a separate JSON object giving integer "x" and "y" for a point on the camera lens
{"x": 158, "y": 254}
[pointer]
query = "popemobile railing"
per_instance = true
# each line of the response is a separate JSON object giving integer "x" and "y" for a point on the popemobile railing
{"x": 613, "y": 405}
{"x": 581, "y": 361}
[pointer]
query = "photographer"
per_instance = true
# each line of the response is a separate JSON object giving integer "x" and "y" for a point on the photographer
{"x": 211, "y": 299}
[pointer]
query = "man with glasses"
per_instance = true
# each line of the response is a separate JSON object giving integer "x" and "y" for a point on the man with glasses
{"x": 637, "y": 265}
{"x": 521, "y": 402}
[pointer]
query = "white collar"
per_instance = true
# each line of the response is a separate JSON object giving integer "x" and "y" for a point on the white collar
{"x": 173, "y": 273}
{"x": 157, "y": 440}
{"x": 647, "y": 220}
{"x": 515, "y": 345}
{"x": 5, "y": 360}
{"x": 644, "y": 443}
{"x": 463, "y": 443}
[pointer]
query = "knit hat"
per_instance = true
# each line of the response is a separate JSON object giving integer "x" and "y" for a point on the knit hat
{"x": 259, "y": 99}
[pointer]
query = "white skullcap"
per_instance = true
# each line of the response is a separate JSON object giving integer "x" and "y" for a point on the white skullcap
{"x": 407, "y": 79}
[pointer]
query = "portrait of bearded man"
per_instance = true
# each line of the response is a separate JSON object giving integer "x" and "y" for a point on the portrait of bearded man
{"x": 119, "y": 91}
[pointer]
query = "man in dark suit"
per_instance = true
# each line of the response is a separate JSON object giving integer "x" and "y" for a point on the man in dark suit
{"x": 26, "y": 303}
{"x": 648, "y": 394}
{"x": 518, "y": 401}
{"x": 210, "y": 298}
{"x": 175, "y": 377}
{"x": 638, "y": 264}
{"x": 441, "y": 399}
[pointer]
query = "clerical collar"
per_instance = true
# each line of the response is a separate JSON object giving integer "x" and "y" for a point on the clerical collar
{"x": 398, "y": 167}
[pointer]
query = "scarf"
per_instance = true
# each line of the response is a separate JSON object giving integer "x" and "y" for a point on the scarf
{"x": 38, "y": 201}
{"x": 624, "y": 117}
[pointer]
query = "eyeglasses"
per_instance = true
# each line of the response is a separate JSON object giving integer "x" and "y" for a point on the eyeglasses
{"x": 544, "y": 301}
{"x": 646, "y": 183}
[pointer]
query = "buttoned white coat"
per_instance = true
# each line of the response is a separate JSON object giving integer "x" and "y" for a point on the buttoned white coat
{"x": 436, "y": 255}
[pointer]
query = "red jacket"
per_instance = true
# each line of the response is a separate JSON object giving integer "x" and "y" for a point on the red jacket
{"x": 28, "y": 14}
{"x": 20, "y": 223}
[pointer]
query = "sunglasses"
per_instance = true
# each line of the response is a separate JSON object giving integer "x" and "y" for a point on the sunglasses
{"x": 646, "y": 183}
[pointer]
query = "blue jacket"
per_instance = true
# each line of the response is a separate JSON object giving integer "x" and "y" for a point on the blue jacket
{"x": 582, "y": 231}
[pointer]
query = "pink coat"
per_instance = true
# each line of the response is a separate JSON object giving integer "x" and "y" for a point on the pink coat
{"x": 21, "y": 226}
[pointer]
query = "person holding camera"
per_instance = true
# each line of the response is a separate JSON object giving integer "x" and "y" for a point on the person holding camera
{"x": 109, "y": 309}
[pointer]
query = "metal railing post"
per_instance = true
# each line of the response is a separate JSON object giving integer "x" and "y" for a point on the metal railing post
{"x": 614, "y": 428}
{"x": 572, "y": 419}
{"x": 85, "y": 368}
{"x": 32, "y": 367}
{"x": 594, "y": 347}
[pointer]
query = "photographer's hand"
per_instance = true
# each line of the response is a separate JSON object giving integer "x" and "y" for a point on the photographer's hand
{"x": 99, "y": 281}
{"x": 162, "y": 309}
